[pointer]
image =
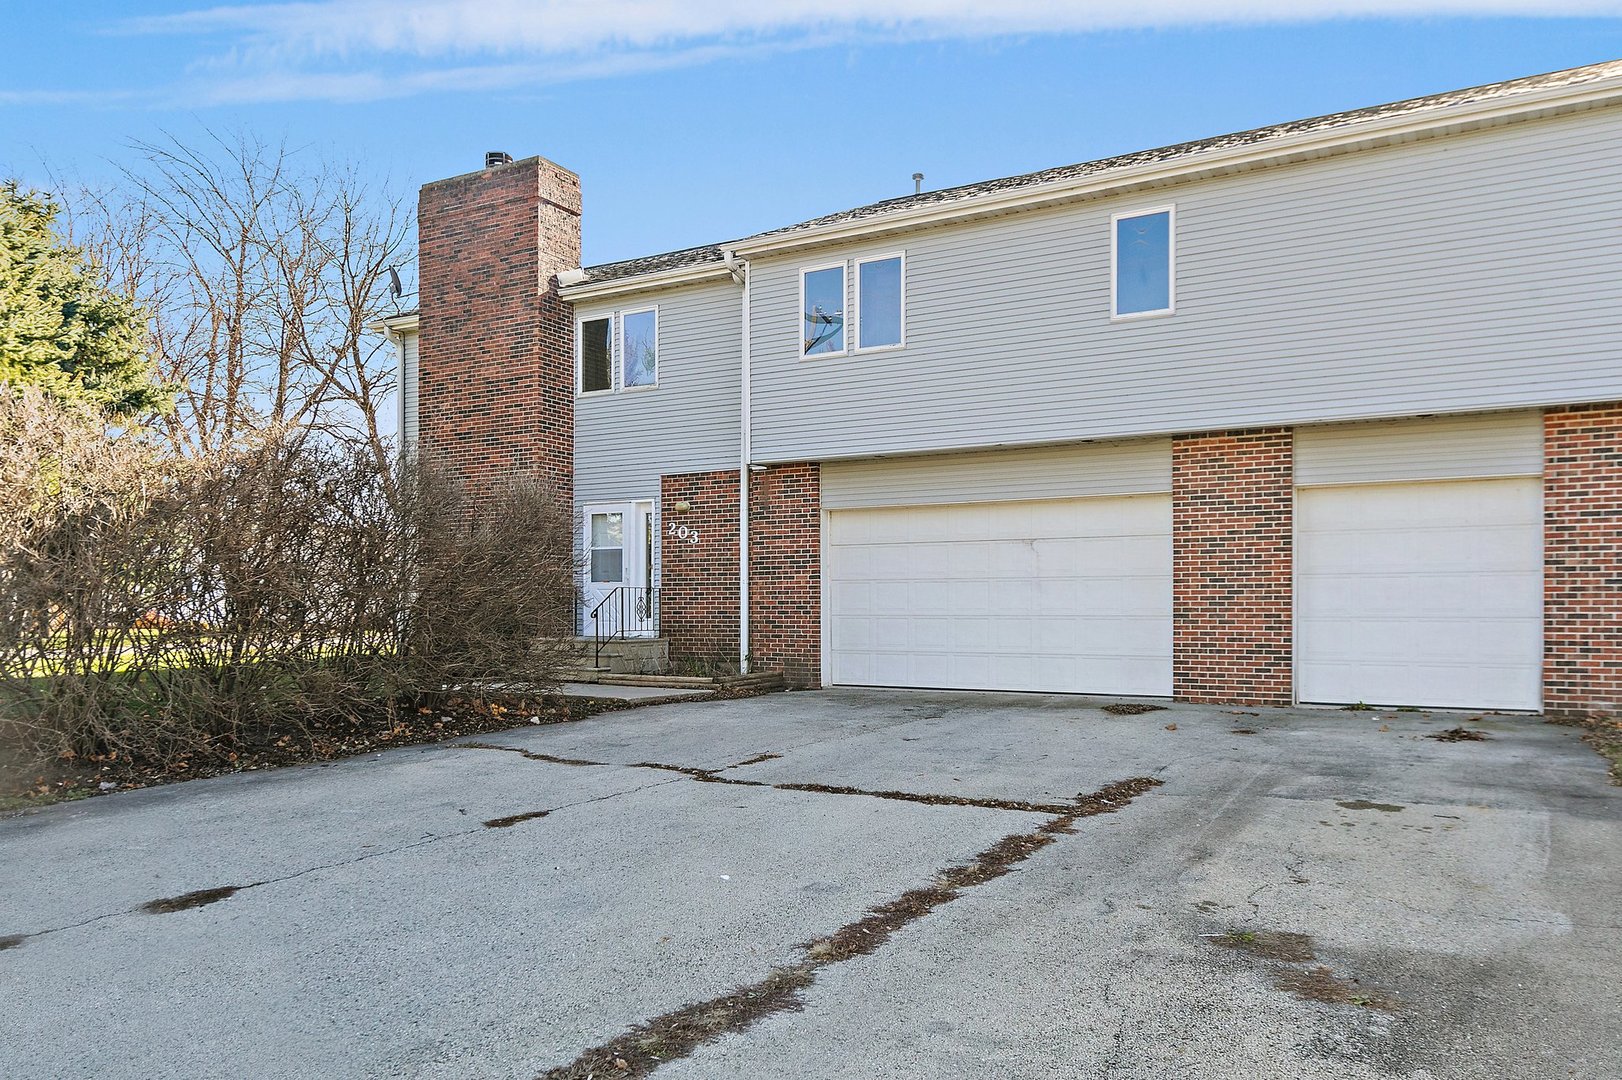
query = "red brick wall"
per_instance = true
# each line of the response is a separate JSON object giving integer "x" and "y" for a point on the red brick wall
{"x": 785, "y": 572}
{"x": 1582, "y": 560}
{"x": 496, "y": 375}
{"x": 698, "y": 580}
{"x": 1232, "y": 508}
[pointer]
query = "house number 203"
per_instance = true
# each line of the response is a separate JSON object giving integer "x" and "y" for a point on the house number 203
{"x": 684, "y": 532}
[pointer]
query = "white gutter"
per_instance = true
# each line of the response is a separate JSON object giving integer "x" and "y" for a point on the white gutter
{"x": 404, "y": 324}
{"x": 740, "y": 272}
{"x": 659, "y": 279}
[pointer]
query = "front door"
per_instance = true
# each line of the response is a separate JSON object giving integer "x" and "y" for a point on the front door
{"x": 618, "y": 596}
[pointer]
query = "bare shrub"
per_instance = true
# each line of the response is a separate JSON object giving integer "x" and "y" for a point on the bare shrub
{"x": 492, "y": 584}
{"x": 162, "y": 606}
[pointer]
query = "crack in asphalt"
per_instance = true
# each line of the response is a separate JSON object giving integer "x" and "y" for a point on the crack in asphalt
{"x": 682, "y": 1031}
{"x": 713, "y": 776}
{"x": 163, "y": 905}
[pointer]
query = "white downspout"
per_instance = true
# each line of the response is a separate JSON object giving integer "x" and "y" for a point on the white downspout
{"x": 740, "y": 271}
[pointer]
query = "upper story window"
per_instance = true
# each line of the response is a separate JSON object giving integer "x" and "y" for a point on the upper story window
{"x": 879, "y": 308}
{"x": 624, "y": 361}
{"x": 596, "y": 339}
{"x": 1144, "y": 257}
{"x": 822, "y": 310}
{"x": 640, "y": 349}
{"x": 880, "y": 301}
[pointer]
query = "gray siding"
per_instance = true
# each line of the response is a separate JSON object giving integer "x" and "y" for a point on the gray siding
{"x": 623, "y": 442}
{"x": 1448, "y": 448}
{"x": 1123, "y": 468}
{"x": 408, "y": 393}
{"x": 1458, "y": 274}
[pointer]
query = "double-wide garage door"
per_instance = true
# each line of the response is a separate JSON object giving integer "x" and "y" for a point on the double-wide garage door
{"x": 1060, "y": 595}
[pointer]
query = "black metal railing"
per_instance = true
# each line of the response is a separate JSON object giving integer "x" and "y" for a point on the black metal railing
{"x": 628, "y": 611}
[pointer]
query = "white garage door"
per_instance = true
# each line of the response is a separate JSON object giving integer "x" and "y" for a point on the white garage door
{"x": 1423, "y": 594}
{"x": 1060, "y": 595}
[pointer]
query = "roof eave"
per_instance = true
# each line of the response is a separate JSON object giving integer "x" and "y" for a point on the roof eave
{"x": 659, "y": 279}
{"x": 1274, "y": 150}
{"x": 398, "y": 324}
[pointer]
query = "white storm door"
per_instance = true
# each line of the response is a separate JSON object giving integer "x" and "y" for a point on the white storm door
{"x": 617, "y": 594}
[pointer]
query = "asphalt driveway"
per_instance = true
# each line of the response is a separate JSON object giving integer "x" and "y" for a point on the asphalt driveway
{"x": 1305, "y": 894}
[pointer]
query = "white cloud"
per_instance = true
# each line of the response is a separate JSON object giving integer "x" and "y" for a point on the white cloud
{"x": 345, "y": 50}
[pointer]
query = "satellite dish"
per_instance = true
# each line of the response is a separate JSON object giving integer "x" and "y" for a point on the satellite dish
{"x": 395, "y": 288}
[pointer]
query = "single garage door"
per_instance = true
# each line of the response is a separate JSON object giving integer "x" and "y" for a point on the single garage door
{"x": 1057, "y": 595}
{"x": 1424, "y": 594}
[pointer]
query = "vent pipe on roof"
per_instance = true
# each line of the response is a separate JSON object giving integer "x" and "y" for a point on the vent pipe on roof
{"x": 492, "y": 158}
{"x": 917, "y": 183}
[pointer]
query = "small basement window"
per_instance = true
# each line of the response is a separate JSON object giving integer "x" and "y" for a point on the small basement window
{"x": 596, "y": 355}
{"x": 639, "y": 347}
{"x": 822, "y": 311}
{"x": 1144, "y": 248}
{"x": 880, "y": 295}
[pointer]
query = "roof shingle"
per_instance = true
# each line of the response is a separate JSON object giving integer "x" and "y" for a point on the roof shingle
{"x": 712, "y": 253}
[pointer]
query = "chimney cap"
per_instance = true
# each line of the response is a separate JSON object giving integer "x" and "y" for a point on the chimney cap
{"x": 492, "y": 158}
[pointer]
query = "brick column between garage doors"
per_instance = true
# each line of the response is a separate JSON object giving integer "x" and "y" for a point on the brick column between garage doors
{"x": 1232, "y": 521}
{"x": 785, "y": 572}
{"x": 1582, "y": 560}
{"x": 698, "y": 570}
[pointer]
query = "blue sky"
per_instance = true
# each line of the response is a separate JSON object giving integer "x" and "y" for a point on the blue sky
{"x": 692, "y": 121}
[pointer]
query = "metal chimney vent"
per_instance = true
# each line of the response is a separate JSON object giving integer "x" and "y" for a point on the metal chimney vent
{"x": 917, "y": 183}
{"x": 493, "y": 158}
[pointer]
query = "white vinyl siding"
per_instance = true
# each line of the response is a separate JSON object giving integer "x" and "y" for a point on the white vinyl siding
{"x": 408, "y": 393}
{"x": 1454, "y": 447}
{"x": 625, "y": 442}
{"x": 1062, "y": 596}
{"x": 1055, "y": 472}
{"x": 1417, "y": 278}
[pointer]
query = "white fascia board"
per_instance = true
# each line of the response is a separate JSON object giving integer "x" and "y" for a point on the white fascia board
{"x": 1275, "y": 150}
{"x": 398, "y": 324}
{"x": 661, "y": 279}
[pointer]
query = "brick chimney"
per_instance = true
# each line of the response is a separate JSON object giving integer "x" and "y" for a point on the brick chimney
{"x": 496, "y": 343}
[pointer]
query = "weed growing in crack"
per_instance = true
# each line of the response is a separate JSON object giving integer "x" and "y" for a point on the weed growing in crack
{"x": 679, "y": 1033}
{"x": 186, "y": 901}
{"x": 1269, "y": 944}
{"x": 1321, "y": 984}
{"x": 514, "y": 819}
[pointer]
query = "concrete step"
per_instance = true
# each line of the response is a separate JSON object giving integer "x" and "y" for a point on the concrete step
{"x": 768, "y": 680}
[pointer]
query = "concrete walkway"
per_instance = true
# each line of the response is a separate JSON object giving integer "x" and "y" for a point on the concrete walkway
{"x": 1307, "y": 894}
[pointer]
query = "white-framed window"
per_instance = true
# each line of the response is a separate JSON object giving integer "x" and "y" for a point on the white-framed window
{"x": 639, "y": 348}
{"x": 822, "y": 310}
{"x": 607, "y": 548}
{"x": 594, "y": 355}
{"x": 881, "y": 302}
{"x": 1143, "y": 263}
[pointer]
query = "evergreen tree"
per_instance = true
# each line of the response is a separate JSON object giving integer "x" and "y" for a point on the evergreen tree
{"x": 61, "y": 328}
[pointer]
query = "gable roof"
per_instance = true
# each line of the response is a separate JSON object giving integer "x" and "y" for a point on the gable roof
{"x": 713, "y": 255}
